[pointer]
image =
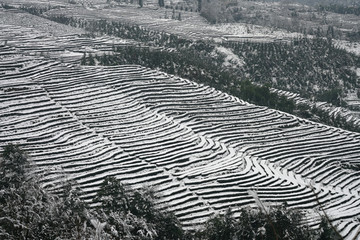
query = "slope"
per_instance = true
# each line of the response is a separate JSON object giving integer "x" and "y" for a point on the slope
{"x": 202, "y": 149}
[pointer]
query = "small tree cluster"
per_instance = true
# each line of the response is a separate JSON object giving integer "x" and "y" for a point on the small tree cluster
{"x": 280, "y": 223}
{"x": 132, "y": 214}
{"x": 27, "y": 211}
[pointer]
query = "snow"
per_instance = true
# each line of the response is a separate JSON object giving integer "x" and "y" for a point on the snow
{"x": 96, "y": 121}
{"x": 231, "y": 59}
{"x": 252, "y": 32}
{"x": 40, "y": 24}
{"x": 219, "y": 144}
{"x": 352, "y": 47}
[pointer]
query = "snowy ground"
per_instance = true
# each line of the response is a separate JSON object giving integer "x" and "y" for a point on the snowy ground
{"x": 231, "y": 59}
{"x": 192, "y": 25}
{"x": 203, "y": 149}
{"x": 14, "y": 17}
{"x": 243, "y": 31}
{"x": 353, "y": 47}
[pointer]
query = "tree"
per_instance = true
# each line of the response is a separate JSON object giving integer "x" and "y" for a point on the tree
{"x": 327, "y": 232}
{"x": 168, "y": 226}
{"x": 129, "y": 212}
{"x": 13, "y": 166}
{"x": 161, "y": 3}
{"x": 112, "y": 196}
{"x": 219, "y": 228}
{"x": 83, "y": 59}
{"x": 173, "y": 14}
{"x": 91, "y": 60}
{"x": 211, "y": 10}
{"x": 73, "y": 210}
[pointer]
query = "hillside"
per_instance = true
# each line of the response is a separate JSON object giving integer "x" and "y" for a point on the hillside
{"x": 201, "y": 148}
{"x": 263, "y": 55}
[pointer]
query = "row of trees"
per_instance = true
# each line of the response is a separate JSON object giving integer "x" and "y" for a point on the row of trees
{"x": 28, "y": 211}
{"x": 278, "y": 223}
{"x": 141, "y": 2}
{"x": 124, "y": 30}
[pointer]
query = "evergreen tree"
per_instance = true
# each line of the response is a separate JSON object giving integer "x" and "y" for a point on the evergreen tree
{"x": 13, "y": 166}
{"x": 327, "y": 232}
{"x": 219, "y": 228}
{"x": 112, "y": 196}
{"x": 91, "y": 60}
{"x": 83, "y": 60}
{"x": 161, "y": 3}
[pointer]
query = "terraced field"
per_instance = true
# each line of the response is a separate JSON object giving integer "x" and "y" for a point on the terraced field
{"x": 202, "y": 149}
{"x": 191, "y": 26}
{"x": 33, "y": 35}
